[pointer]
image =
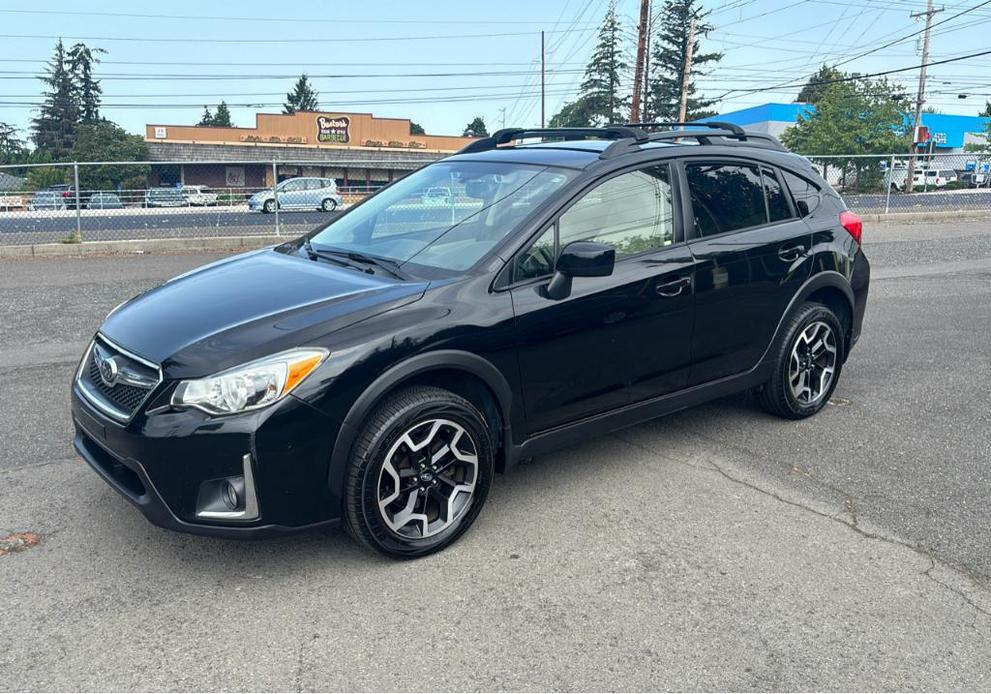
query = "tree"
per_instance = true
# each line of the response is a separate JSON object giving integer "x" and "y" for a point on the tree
{"x": 222, "y": 118}
{"x": 87, "y": 90}
{"x": 416, "y": 129}
{"x": 476, "y": 128}
{"x": 302, "y": 97}
{"x": 667, "y": 63}
{"x": 600, "y": 88}
{"x": 815, "y": 88}
{"x": 55, "y": 125}
{"x": 860, "y": 116}
{"x": 572, "y": 115}
{"x": 207, "y": 117}
{"x": 12, "y": 149}
{"x": 987, "y": 110}
{"x": 107, "y": 141}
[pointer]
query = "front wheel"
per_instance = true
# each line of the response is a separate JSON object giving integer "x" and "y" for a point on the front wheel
{"x": 419, "y": 473}
{"x": 808, "y": 361}
{"x": 269, "y": 206}
{"x": 328, "y": 205}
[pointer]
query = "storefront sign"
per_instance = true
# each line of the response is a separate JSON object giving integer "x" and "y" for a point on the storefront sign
{"x": 335, "y": 129}
{"x": 160, "y": 132}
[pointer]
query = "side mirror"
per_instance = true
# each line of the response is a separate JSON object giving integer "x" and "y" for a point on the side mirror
{"x": 580, "y": 259}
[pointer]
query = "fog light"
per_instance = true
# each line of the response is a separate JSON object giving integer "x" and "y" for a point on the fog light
{"x": 230, "y": 496}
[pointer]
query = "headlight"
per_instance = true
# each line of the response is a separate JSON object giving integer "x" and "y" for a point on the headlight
{"x": 250, "y": 386}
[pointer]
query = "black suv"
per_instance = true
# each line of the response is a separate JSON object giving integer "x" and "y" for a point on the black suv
{"x": 381, "y": 369}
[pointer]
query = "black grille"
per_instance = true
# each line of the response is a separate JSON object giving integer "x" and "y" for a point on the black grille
{"x": 124, "y": 398}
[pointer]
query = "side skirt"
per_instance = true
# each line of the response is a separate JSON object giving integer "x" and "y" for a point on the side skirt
{"x": 636, "y": 413}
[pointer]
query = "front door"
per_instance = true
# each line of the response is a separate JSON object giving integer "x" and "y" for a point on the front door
{"x": 616, "y": 339}
{"x": 752, "y": 254}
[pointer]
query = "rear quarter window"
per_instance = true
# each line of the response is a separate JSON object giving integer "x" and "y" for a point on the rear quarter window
{"x": 804, "y": 192}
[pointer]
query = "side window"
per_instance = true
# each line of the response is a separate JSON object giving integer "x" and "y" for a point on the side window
{"x": 725, "y": 197}
{"x": 632, "y": 212}
{"x": 805, "y": 193}
{"x": 777, "y": 204}
{"x": 538, "y": 259}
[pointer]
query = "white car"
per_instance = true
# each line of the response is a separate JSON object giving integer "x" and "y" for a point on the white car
{"x": 299, "y": 194}
{"x": 199, "y": 195}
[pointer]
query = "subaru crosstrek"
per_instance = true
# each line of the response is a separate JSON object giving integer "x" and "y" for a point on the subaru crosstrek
{"x": 379, "y": 370}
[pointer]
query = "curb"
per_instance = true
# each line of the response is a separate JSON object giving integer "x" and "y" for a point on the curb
{"x": 138, "y": 246}
{"x": 933, "y": 215}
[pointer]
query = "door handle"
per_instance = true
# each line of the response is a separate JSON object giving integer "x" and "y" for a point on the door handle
{"x": 791, "y": 253}
{"x": 675, "y": 287}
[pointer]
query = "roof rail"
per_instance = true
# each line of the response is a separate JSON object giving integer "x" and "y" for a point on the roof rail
{"x": 712, "y": 129}
{"x": 738, "y": 132}
{"x": 507, "y": 135}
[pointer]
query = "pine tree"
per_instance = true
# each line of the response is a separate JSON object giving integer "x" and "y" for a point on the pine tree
{"x": 55, "y": 125}
{"x": 476, "y": 128}
{"x": 600, "y": 90}
{"x": 88, "y": 93}
{"x": 222, "y": 118}
{"x": 667, "y": 64}
{"x": 987, "y": 110}
{"x": 302, "y": 97}
{"x": 206, "y": 118}
{"x": 11, "y": 145}
{"x": 416, "y": 129}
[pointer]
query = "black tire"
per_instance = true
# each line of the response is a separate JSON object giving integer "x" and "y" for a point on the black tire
{"x": 328, "y": 205}
{"x": 400, "y": 413}
{"x": 269, "y": 206}
{"x": 776, "y": 396}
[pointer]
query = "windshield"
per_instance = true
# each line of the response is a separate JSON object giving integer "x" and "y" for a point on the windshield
{"x": 484, "y": 202}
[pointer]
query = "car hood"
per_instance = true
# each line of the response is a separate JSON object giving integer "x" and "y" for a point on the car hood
{"x": 262, "y": 194}
{"x": 247, "y": 307}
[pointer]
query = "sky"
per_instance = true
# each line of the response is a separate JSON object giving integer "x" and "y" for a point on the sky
{"x": 443, "y": 63}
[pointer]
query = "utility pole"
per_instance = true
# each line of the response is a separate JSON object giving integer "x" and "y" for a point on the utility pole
{"x": 542, "y": 90}
{"x": 646, "y": 72}
{"x": 641, "y": 55}
{"x": 502, "y": 116}
{"x": 687, "y": 72}
{"x": 921, "y": 97}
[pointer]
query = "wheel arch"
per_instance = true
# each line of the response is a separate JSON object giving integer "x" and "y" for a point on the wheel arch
{"x": 464, "y": 373}
{"x": 829, "y": 288}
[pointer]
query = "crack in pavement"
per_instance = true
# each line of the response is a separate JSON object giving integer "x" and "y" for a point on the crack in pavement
{"x": 715, "y": 467}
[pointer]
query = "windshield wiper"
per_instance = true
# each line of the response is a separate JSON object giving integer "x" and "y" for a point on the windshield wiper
{"x": 336, "y": 255}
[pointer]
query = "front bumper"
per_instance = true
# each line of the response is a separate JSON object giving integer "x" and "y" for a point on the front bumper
{"x": 161, "y": 461}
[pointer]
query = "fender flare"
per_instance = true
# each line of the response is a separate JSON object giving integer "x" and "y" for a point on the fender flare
{"x": 821, "y": 280}
{"x": 403, "y": 371}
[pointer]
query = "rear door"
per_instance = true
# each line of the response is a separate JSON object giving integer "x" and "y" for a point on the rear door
{"x": 752, "y": 252}
{"x": 614, "y": 339}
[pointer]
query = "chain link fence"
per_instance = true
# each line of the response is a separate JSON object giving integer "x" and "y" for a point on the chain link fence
{"x": 143, "y": 200}
{"x": 880, "y": 184}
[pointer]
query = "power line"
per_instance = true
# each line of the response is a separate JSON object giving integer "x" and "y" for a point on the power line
{"x": 269, "y": 20}
{"x": 349, "y": 39}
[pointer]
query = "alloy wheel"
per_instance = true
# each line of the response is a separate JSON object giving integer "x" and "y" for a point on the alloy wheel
{"x": 428, "y": 479}
{"x": 813, "y": 363}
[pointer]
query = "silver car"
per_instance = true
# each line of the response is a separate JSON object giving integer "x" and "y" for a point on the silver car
{"x": 299, "y": 194}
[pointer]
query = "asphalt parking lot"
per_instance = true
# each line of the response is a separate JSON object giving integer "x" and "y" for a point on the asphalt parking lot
{"x": 718, "y": 548}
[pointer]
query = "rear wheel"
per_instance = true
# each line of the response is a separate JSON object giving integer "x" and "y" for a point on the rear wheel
{"x": 808, "y": 361}
{"x": 328, "y": 205}
{"x": 419, "y": 474}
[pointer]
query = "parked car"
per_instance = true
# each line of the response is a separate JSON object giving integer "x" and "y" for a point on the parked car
{"x": 66, "y": 191}
{"x": 379, "y": 370}
{"x": 437, "y": 196}
{"x": 299, "y": 194}
{"x": 164, "y": 197}
{"x": 199, "y": 195}
{"x": 104, "y": 201}
{"x": 978, "y": 180}
{"x": 47, "y": 200}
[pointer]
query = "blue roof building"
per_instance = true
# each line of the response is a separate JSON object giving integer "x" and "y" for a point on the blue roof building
{"x": 950, "y": 133}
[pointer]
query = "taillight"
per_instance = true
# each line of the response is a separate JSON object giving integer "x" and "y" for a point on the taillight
{"x": 853, "y": 224}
